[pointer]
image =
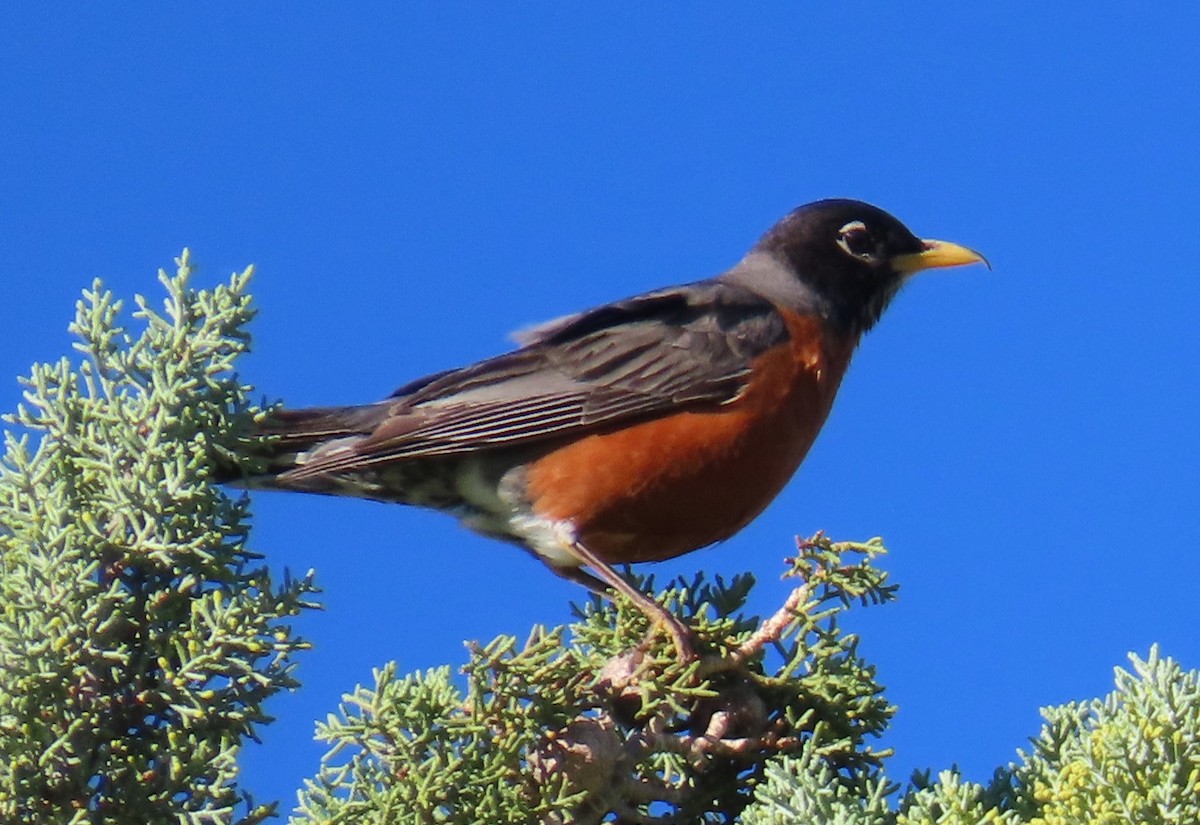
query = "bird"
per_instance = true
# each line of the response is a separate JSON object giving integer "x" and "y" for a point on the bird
{"x": 636, "y": 431}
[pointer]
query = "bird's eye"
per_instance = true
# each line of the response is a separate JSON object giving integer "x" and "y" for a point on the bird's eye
{"x": 856, "y": 239}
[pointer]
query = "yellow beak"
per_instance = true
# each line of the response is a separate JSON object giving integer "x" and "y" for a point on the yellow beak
{"x": 937, "y": 254}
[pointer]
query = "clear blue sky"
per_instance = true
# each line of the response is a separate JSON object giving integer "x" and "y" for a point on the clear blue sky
{"x": 413, "y": 184}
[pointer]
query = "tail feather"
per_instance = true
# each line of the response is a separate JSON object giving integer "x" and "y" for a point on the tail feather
{"x": 316, "y": 424}
{"x": 282, "y": 438}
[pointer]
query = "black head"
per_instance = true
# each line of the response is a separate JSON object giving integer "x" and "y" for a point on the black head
{"x": 854, "y": 257}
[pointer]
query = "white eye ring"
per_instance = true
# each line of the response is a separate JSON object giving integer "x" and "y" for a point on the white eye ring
{"x": 846, "y": 233}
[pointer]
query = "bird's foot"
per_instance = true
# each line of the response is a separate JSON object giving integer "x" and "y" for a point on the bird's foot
{"x": 683, "y": 638}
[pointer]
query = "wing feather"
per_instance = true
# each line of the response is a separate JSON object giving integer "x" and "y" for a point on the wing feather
{"x": 682, "y": 348}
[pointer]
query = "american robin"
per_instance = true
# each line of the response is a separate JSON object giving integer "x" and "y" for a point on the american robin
{"x": 636, "y": 431}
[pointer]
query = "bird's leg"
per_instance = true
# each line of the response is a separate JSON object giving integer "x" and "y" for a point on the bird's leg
{"x": 658, "y": 615}
{"x": 583, "y": 577}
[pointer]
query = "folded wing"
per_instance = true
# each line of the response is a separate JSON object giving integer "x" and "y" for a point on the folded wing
{"x": 687, "y": 347}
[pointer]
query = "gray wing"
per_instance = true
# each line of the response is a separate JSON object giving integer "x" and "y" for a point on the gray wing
{"x": 681, "y": 348}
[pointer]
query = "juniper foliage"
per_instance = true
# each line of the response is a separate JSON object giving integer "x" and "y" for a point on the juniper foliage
{"x": 139, "y": 637}
{"x": 1131, "y": 757}
{"x": 600, "y": 723}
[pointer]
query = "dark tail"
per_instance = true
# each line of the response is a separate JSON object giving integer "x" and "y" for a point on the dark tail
{"x": 273, "y": 447}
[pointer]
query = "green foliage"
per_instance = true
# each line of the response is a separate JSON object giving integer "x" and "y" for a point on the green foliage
{"x": 1133, "y": 757}
{"x": 951, "y": 800}
{"x": 805, "y": 787}
{"x": 607, "y": 722}
{"x": 138, "y": 638}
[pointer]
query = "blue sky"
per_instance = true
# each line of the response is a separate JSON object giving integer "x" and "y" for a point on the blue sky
{"x": 414, "y": 183}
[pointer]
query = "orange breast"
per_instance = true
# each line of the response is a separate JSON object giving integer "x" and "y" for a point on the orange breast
{"x": 667, "y": 486}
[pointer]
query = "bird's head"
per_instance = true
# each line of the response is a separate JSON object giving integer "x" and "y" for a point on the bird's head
{"x": 853, "y": 257}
